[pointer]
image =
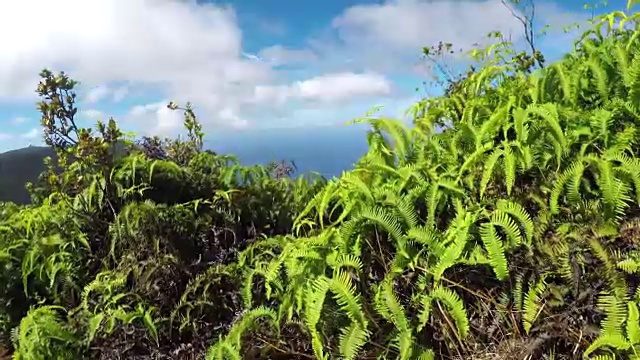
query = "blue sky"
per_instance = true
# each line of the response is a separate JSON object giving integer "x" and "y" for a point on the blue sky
{"x": 247, "y": 65}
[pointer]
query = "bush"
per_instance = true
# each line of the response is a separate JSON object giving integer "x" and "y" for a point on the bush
{"x": 513, "y": 232}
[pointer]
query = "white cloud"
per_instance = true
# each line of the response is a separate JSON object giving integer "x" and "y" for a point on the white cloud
{"x": 31, "y": 134}
{"x": 412, "y": 24}
{"x": 388, "y": 36}
{"x": 233, "y": 119}
{"x": 185, "y": 50}
{"x": 170, "y": 122}
{"x": 167, "y": 121}
{"x": 339, "y": 116}
{"x": 92, "y": 114}
{"x": 120, "y": 93}
{"x": 189, "y": 51}
{"x": 19, "y": 120}
{"x": 140, "y": 110}
{"x": 96, "y": 94}
{"x": 326, "y": 88}
{"x": 342, "y": 86}
{"x": 102, "y": 92}
{"x": 251, "y": 57}
{"x": 277, "y": 55}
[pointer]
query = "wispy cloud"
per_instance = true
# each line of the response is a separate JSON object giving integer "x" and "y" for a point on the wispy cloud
{"x": 32, "y": 134}
{"x": 330, "y": 88}
{"x": 19, "y": 120}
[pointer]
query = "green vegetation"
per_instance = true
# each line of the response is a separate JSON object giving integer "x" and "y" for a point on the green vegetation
{"x": 511, "y": 234}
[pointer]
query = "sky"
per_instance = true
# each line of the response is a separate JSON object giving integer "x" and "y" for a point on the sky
{"x": 248, "y": 66}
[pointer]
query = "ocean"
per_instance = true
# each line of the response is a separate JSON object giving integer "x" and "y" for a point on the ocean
{"x": 326, "y": 150}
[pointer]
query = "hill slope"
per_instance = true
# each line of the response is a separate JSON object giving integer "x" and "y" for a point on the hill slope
{"x": 17, "y": 167}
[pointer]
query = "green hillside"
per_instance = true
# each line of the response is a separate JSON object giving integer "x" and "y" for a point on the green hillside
{"x": 509, "y": 233}
{"x": 21, "y": 166}
{"x": 17, "y": 167}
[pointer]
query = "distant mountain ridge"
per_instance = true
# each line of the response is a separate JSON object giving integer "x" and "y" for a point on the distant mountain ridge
{"x": 17, "y": 167}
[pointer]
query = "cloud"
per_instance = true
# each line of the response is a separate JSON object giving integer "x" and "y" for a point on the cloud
{"x": 166, "y": 121}
{"x": 412, "y": 24}
{"x": 92, "y": 114}
{"x": 340, "y": 86}
{"x": 10, "y": 141}
{"x": 169, "y": 123}
{"x": 31, "y": 134}
{"x": 326, "y": 88}
{"x": 277, "y": 55}
{"x": 19, "y": 120}
{"x": 186, "y": 50}
{"x": 120, "y": 93}
{"x": 96, "y": 94}
{"x": 101, "y": 92}
{"x": 141, "y": 110}
{"x": 388, "y": 37}
{"x": 339, "y": 116}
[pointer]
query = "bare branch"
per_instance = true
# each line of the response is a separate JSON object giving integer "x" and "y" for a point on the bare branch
{"x": 527, "y": 24}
